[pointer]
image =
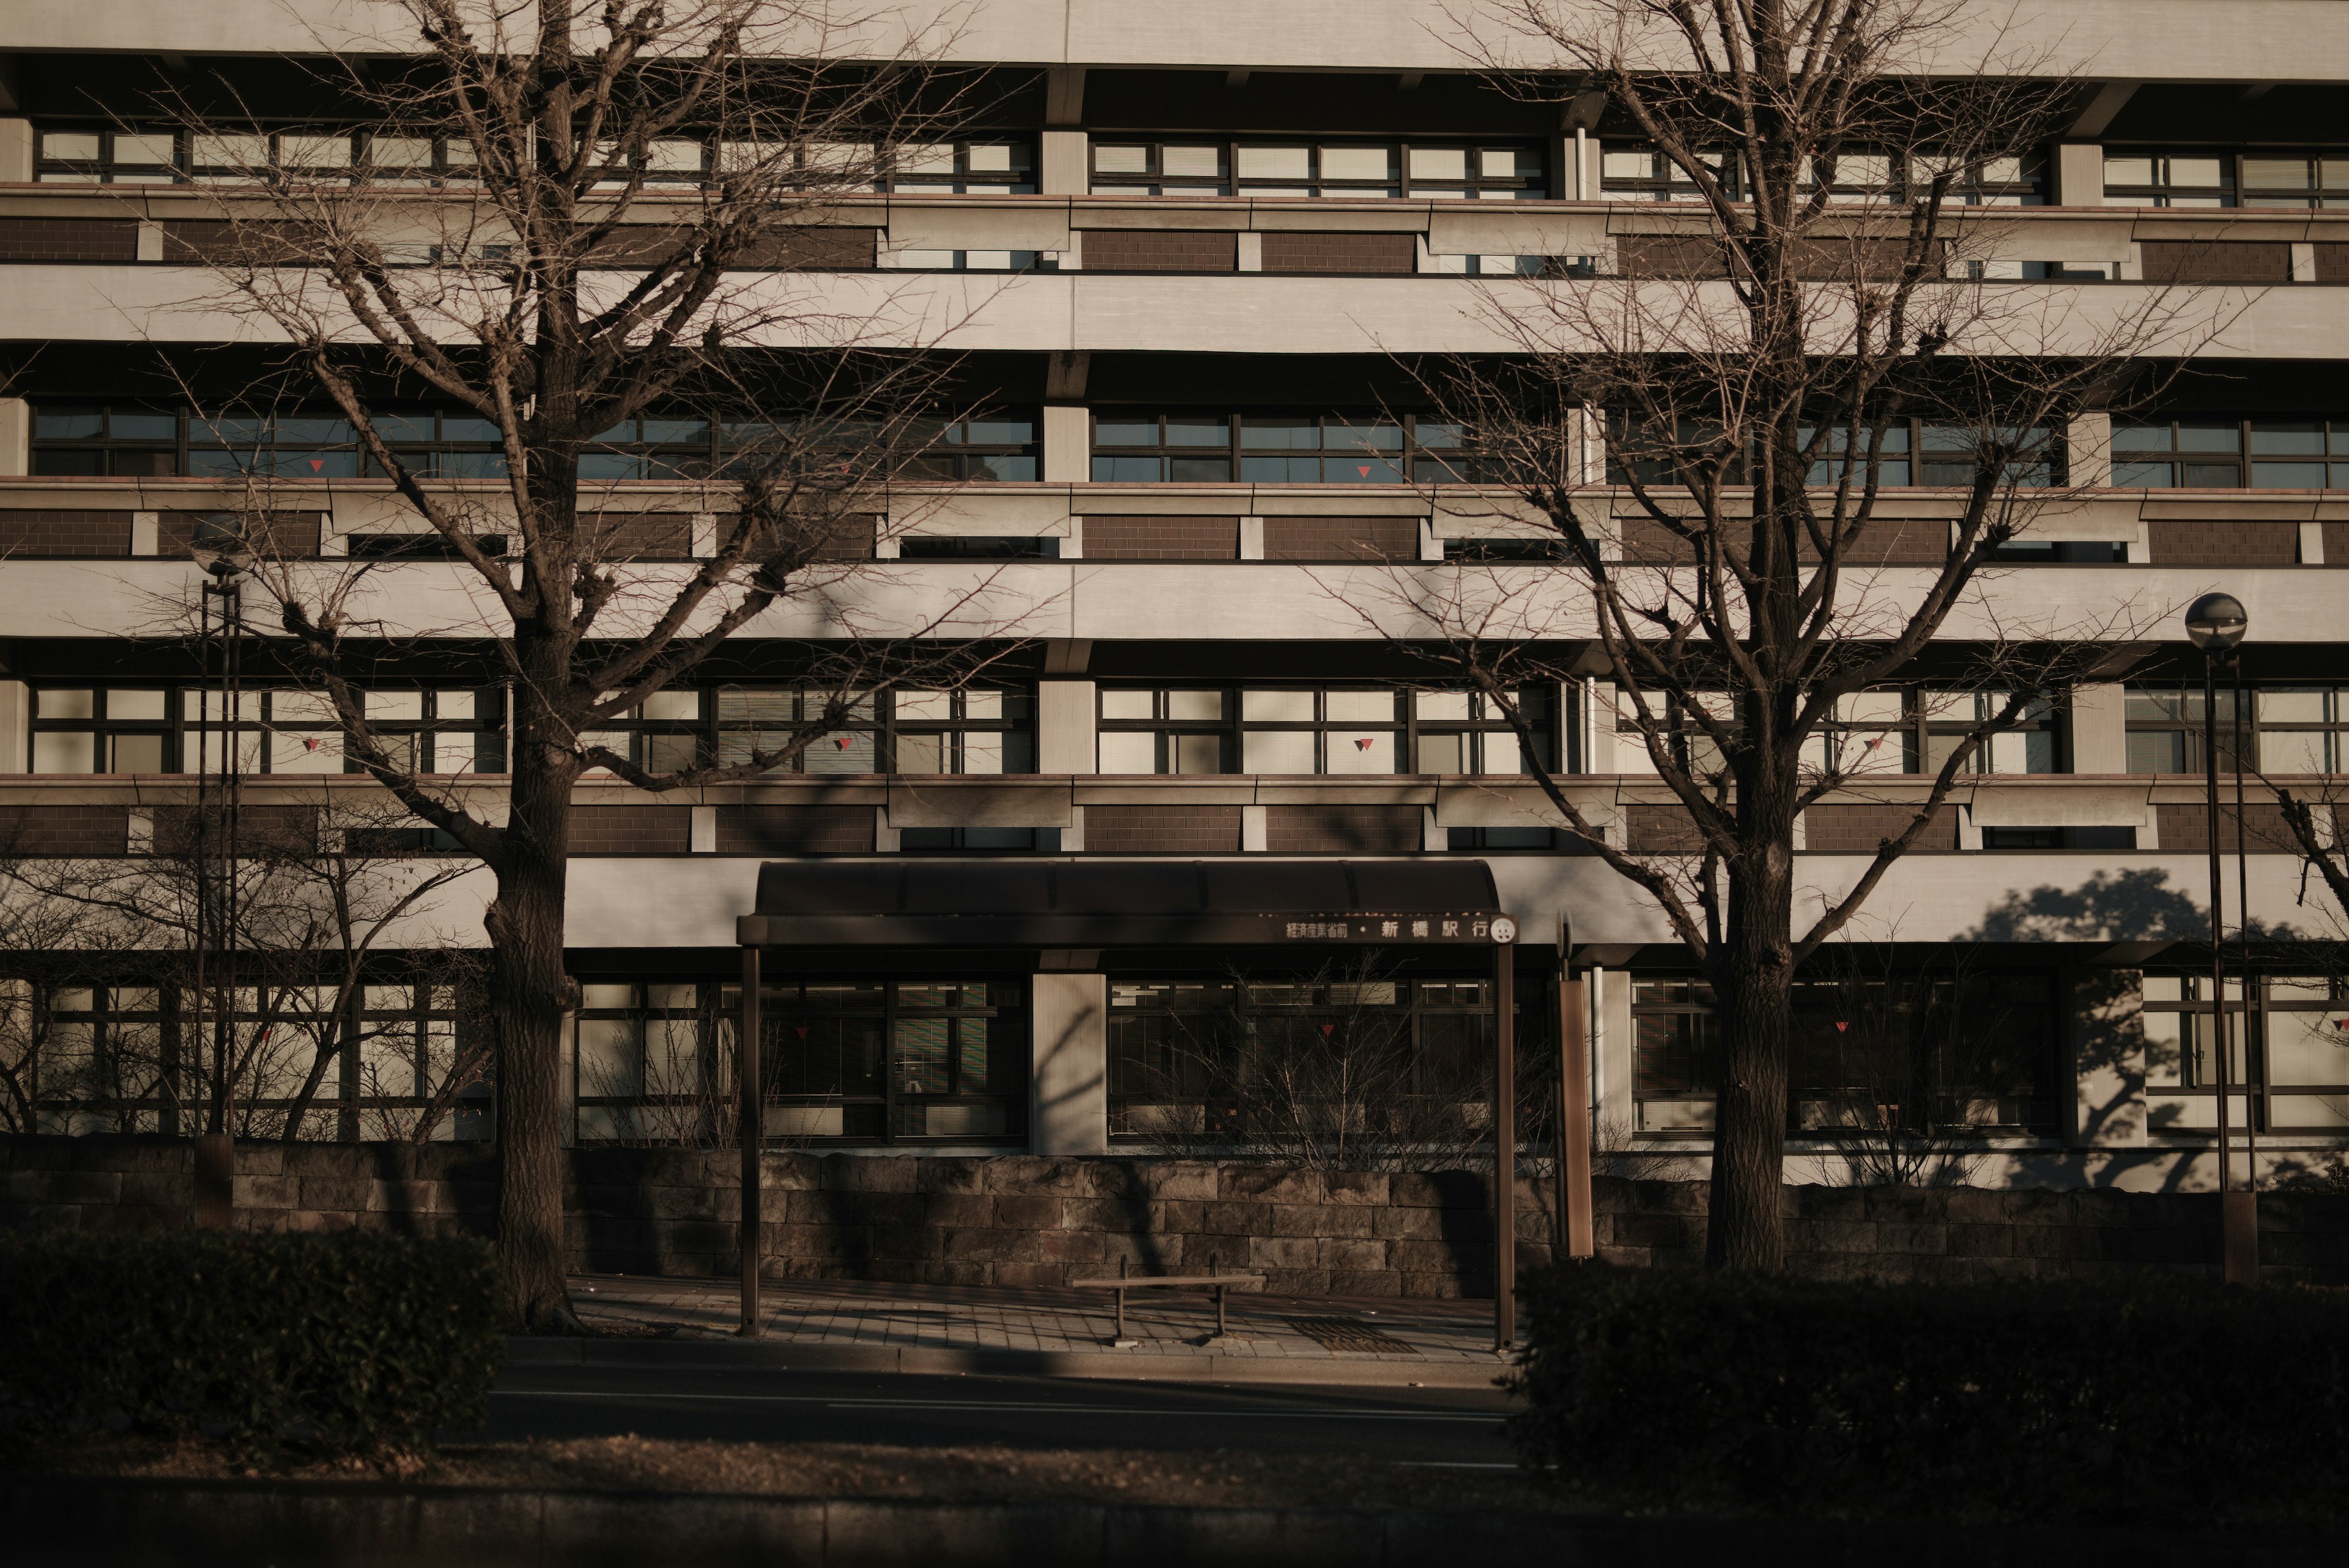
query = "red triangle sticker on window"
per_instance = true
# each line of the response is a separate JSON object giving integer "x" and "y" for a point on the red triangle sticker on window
{"x": 1362, "y": 469}
{"x": 800, "y": 1030}
{"x": 1364, "y": 742}
{"x": 841, "y": 741}
{"x": 310, "y": 744}
{"x": 317, "y": 465}
{"x": 1841, "y": 1026}
{"x": 1328, "y": 1029}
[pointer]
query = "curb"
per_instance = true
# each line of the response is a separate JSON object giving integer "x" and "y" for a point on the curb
{"x": 72, "y": 1522}
{"x": 1336, "y": 1371}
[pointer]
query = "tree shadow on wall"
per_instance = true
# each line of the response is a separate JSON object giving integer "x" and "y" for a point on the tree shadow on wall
{"x": 2135, "y": 906}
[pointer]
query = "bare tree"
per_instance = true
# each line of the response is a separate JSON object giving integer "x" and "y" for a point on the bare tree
{"x": 619, "y": 210}
{"x": 335, "y": 928}
{"x": 1747, "y": 381}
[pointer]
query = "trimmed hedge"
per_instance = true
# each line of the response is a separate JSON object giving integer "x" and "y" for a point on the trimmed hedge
{"x": 2028, "y": 1399}
{"x": 346, "y": 1341}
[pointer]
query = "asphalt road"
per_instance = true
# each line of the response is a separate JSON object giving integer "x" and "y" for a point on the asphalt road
{"x": 1423, "y": 1425}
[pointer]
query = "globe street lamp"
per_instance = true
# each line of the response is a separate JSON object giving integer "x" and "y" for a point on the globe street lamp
{"x": 219, "y": 547}
{"x": 2215, "y": 623}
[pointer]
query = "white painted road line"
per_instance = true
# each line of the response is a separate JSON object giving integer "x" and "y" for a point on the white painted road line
{"x": 984, "y": 1405}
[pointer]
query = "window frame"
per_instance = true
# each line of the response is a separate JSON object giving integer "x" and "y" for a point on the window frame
{"x": 2253, "y": 1082}
{"x": 1400, "y": 185}
{"x": 1410, "y": 727}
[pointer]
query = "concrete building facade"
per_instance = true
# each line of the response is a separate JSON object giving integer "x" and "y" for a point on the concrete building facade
{"x": 1186, "y": 256}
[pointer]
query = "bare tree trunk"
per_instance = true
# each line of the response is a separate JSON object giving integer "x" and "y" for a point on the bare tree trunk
{"x": 532, "y": 994}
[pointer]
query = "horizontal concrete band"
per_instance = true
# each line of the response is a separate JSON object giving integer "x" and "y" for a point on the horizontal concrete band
{"x": 1339, "y": 1370}
{"x": 74, "y": 1522}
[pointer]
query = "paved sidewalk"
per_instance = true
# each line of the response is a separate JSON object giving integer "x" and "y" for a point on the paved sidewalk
{"x": 1066, "y": 1333}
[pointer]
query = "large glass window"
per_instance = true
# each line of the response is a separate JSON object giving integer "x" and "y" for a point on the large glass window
{"x": 1206, "y": 166}
{"x": 1297, "y": 729}
{"x": 2289, "y": 729}
{"x": 161, "y": 729}
{"x": 1910, "y": 732}
{"x": 2263, "y": 177}
{"x": 1910, "y": 453}
{"x": 2223, "y": 453}
{"x": 978, "y": 730}
{"x": 2288, "y": 1054}
{"x": 1350, "y": 1061}
{"x": 1146, "y": 447}
{"x": 80, "y": 154}
{"x": 122, "y": 438}
{"x": 1631, "y": 172}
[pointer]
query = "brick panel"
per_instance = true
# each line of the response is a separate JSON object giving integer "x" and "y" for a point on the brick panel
{"x": 2187, "y": 827}
{"x": 642, "y": 535}
{"x": 2223, "y": 544}
{"x": 292, "y": 535}
{"x": 1908, "y": 542}
{"x": 2216, "y": 261}
{"x": 1341, "y": 253}
{"x": 632, "y": 830}
{"x": 70, "y": 240}
{"x": 812, "y": 249}
{"x": 1700, "y": 257}
{"x": 1336, "y": 829}
{"x": 259, "y": 829}
{"x": 34, "y": 533}
{"x": 2336, "y": 542}
{"x": 794, "y": 830}
{"x": 1649, "y": 543}
{"x": 1669, "y": 256}
{"x": 32, "y": 830}
{"x": 1130, "y": 538}
{"x": 2332, "y": 262}
{"x": 1160, "y": 250}
{"x": 1347, "y": 539}
{"x": 1663, "y": 830}
{"x": 1162, "y": 829}
{"x": 1858, "y": 828}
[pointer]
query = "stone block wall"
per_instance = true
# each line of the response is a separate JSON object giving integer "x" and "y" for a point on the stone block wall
{"x": 1016, "y": 1219}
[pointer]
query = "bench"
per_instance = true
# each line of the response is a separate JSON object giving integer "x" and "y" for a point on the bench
{"x": 1212, "y": 1279}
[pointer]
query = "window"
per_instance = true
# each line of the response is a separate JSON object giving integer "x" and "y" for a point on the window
{"x": 1638, "y": 173}
{"x": 130, "y": 1058}
{"x": 1916, "y": 1053}
{"x": 1188, "y": 1057}
{"x": 1147, "y": 448}
{"x": 2288, "y": 1054}
{"x": 1675, "y": 1054}
{"x": 2222, "y": 452}
{"x": 1306, "y": 168}
{"x": 82, "y": 154}
{"x": 2203, "y": 179}
{"x": 2270, "y": 179}
{"x": 978, "y": 840}
{"x": 873, "y": 1062}
{"x": 979, "y": 729}
{"x": 101, "y": 729}
{"x": 1858, "y": 737}
{"x": 1485, "y": 840}
{"x": 2166, "y": 180}
{"x": 1268, "y": 730}
{"x": 2293, "y": 729}
{"x": 2037, "y": 838}
{"x": 640, "y": 1070}
{"x": 291, "y": 446}
{"x": 1917, "y": 451}
{"x": 122, "y": 438}
{"x": 985, "y": 168}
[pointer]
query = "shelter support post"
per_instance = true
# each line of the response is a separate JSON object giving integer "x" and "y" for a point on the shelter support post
{"x": 1504, "y": 1147}
{"x": 1578, "y": 1226}
{"x": 751, "y": 1122}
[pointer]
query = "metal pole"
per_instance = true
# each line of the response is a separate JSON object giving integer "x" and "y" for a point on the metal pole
{"x": 2229, "y": 1245}
{"x": 2243, "y": 1258}
{"x": 751, "y": 1125}
{"x": 1505, "y": 1143}
{"x": 1577, "y": 1224}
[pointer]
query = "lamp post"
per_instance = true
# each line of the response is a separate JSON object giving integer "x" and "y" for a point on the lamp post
{"x": 1505, "y": 1133}
{"x": 2215, "y": 623}
{"x": 220, "y": 549}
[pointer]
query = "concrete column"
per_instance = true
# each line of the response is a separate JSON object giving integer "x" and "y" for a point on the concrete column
{"x": 1255, "y": 830}
{"x": 15, "y": 727}
{"x": 2312, "y": 544}
{"x": 1068, "y": 443}
{"x": 2303, "y": 261}
{"x": 1066, "y": 167}
{"x": 150, "y": 240}
{"x": 1066, "y": 714}
{"x": 146, "y": 531}
{"x": 15, "y": 152}
{"x": 2088, "y": 450}
{"x": 1251, "y": 538}
{"x": 1248, "y": 252}
{"x": 2079, "y": 175}
{"x": 2107, "y": 1015}
{"x": 2099, "y": 733}
{"x": 704, "y": 830}
{"x": 15, "y": 437}
{"x": 1069, "y": 1077}
{"x": 1611, "y": 1056}
{"x": 705, "y": 535}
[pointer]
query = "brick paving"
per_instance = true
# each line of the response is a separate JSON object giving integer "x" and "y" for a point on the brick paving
{"x": 1167, "y": 1325}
